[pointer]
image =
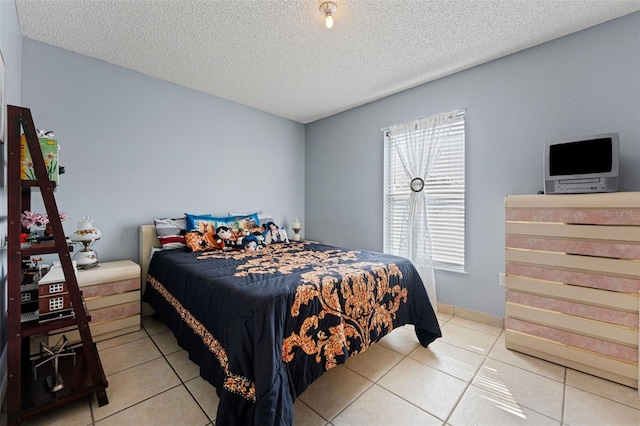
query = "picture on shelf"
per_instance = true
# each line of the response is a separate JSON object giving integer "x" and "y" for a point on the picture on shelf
{"x": 50, "y": 152}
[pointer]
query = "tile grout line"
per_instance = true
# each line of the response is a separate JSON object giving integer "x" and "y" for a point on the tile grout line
{"x": 93, "y": 419}
{"x": 564, "y": 396}
{"x": 352, "y": 402}
{"x": 137, "y": 365}
{"x": 404, "y": 357}
{"x": 535, "y": 410}
{"x": 138, "y": 403}
{"x": 182, "y": 382}
{"x": 373, "y": 383}
{"x": 475, "y": 374}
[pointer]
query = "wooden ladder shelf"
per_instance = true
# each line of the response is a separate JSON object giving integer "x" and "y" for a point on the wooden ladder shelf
{"x": 82, "y": 373}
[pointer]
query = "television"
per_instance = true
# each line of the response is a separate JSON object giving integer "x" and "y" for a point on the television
{"x": 582, "y": 165}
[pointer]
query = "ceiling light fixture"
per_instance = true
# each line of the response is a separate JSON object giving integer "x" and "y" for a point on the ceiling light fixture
{"x": 328, "y": 8}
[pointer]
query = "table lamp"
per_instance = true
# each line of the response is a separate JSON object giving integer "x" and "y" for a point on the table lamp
{"x": 297, "y": 226}
{"x": 86, "y": 234}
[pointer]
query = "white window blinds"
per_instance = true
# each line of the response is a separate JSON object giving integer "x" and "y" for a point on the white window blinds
{"x": 444, "y": 188}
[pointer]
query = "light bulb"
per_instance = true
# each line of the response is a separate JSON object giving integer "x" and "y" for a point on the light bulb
{"x": 329, "y": 20}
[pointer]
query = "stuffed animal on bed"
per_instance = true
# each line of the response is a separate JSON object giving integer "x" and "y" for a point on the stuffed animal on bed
{"x": 223, "y": 236}
{"x": 260, "y": 237}
{"x": 250, "y": 243}
{"x": 241, "y": 234}
{"x": 275, "y": 234}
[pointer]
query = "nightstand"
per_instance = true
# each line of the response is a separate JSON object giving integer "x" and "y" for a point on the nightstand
{"x": 111, "y": 292}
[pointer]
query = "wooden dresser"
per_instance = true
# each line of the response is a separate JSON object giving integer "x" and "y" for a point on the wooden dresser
{"x": 111, "y": 292}
{"x": 572, "y": 281}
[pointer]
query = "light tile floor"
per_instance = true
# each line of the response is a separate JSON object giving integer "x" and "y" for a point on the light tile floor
{"x": 467, "y": 377}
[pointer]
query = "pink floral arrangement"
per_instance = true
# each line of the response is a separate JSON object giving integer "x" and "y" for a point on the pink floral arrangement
{"x": 29, "y": 219}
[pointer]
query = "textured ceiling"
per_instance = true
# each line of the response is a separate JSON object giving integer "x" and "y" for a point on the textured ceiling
{"x": 278, "y": 57}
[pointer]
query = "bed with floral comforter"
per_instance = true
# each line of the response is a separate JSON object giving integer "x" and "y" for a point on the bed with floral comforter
{"x": 262, "y": 325}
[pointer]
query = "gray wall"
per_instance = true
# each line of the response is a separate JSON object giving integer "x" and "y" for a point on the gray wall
{"x": 11, "y": 48}
{"x": 136, "y": 148}
{"x": 582, "y": 84}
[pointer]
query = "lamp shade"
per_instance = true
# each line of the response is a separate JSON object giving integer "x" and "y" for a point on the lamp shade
{"x": 85, "y": 231}
{"x": 89, "y": 234}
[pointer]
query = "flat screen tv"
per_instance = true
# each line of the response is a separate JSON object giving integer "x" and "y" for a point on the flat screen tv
{"x": 582, "y": 165}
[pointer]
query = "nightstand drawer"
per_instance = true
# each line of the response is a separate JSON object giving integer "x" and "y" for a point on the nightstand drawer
{"x": 95, "y": 303}
{"x": 108, "y": 288}
{"x": 109, "y": 272}
{"x": 111, "y": 292}
{"x": 112, "y": 312}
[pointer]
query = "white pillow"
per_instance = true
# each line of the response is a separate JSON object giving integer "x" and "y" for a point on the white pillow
{"x": 153, "y": 251}
{"x": 262, "y": 217}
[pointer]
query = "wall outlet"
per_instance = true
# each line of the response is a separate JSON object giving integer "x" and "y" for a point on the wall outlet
{"x": 502, "y": 278}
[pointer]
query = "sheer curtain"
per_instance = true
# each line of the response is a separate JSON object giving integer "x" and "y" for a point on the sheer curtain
{"x": 418, "y": 145}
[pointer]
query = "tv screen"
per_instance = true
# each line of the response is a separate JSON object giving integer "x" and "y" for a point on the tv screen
{"x": 575, "y": 158}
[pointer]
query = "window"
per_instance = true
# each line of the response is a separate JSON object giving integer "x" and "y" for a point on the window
{"x": 56, "y": 288}
{"x": 444, "y": 188}
{"x": 56, "y": 303}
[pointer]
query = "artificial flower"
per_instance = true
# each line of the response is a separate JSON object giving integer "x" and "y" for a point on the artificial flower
{"x": 40, "y": 220}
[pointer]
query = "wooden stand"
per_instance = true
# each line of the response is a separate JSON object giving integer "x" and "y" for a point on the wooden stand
{"x": 25, "y": 396}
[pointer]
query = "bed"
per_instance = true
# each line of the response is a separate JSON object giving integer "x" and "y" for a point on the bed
{"x": 263, "y": 325}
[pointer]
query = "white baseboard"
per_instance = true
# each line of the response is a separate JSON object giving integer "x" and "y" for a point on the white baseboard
{"x": 481, "y": 317}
